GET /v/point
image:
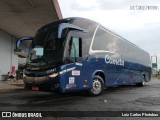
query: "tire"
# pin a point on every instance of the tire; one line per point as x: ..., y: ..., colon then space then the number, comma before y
x: 142, y: 84
x: 97, y: 87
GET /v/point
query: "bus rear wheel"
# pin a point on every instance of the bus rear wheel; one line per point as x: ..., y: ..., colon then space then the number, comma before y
x: 142, y: 84
x: 97, y: 86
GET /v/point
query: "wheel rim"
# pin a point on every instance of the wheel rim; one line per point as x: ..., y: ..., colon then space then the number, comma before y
x: 143, y: 81
x: 97, y: 86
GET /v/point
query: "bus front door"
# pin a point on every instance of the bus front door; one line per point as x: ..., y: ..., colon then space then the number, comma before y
x: 74, y: 64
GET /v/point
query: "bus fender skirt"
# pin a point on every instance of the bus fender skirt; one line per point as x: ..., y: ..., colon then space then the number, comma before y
x: 99, y: 71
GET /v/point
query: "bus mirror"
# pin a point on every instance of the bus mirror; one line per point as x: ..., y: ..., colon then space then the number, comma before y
x: 23, y: 43
x: 63, y: 26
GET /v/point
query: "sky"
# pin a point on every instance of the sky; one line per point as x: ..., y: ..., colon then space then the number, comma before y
x: 136, y: 20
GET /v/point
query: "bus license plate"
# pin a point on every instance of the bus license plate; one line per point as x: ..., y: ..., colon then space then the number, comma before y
x: 35, y: 88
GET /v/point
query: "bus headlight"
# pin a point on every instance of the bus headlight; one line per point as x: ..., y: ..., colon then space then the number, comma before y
x: 53, y: 75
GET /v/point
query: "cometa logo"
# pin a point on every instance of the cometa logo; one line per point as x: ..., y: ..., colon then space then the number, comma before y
x: 114, y: 61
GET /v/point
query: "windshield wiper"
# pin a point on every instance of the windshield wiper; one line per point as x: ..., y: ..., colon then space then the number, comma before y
x: 28, y: 63
x: 36, y: 60
x: 40, y: 59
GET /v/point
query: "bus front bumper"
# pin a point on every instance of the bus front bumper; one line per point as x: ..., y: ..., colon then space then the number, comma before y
x: 41, y: 83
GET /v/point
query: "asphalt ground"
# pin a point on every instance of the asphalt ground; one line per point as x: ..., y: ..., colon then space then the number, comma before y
x: 124, y: 99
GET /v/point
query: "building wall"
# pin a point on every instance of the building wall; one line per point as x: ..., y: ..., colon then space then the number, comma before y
x: 7, y: 56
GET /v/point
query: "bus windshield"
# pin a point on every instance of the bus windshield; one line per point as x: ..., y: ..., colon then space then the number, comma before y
x: 45, y: 49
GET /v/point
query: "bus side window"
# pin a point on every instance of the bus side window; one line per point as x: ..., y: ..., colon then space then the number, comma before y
x: 75, y: 49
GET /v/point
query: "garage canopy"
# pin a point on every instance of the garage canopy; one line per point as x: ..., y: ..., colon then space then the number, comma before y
x: 25, y: 17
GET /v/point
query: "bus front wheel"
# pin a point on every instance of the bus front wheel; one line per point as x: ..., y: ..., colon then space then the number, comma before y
x: 97, y: 86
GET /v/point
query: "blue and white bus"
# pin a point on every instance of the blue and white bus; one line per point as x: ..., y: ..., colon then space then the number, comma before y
x: 75, y: 54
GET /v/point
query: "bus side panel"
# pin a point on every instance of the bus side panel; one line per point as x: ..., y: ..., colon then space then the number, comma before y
x: 75, y: 77
x: 115, y: 75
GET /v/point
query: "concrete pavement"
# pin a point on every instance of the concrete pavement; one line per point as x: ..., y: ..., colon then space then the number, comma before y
x: 10, y: 85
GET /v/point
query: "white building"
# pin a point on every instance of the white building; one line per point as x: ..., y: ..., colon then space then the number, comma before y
x: 22, y: 18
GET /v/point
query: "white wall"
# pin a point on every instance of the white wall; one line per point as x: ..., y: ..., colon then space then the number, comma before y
x: 7, y: 56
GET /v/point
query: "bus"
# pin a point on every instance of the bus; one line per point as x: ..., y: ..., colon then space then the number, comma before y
x: 76, y: 54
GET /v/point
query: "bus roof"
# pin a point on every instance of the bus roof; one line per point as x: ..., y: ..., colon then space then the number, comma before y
x: 71, y: 19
